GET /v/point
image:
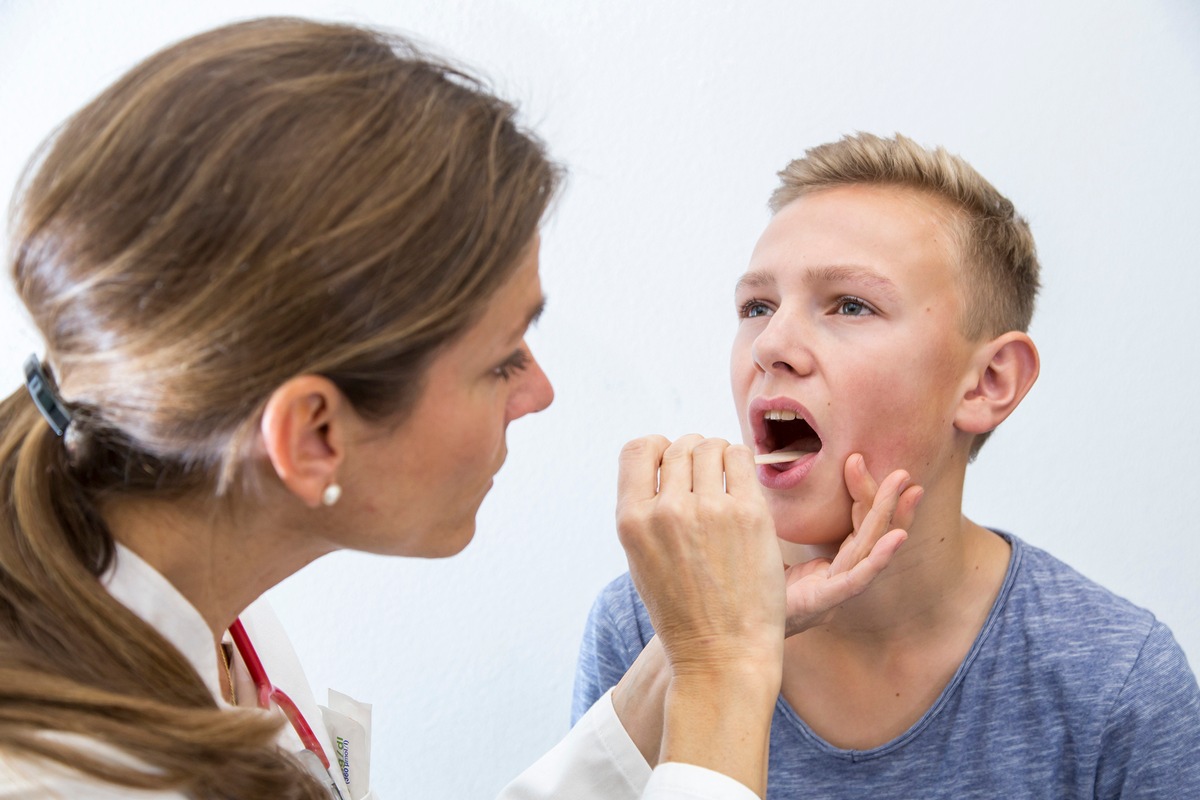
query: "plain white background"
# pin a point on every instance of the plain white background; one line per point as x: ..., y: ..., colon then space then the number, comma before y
x: 673, y: 118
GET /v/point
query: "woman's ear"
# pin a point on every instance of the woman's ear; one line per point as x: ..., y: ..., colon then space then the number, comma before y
x: 303, y: 436
x: 1003, y: 372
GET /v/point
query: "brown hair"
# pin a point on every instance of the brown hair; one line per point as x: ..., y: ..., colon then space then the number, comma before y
x: 268, y: 199
x: 999, y: 278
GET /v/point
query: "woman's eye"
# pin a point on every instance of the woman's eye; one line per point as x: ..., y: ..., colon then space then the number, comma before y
x: 753, y: 308
x: 853, y: 307
x: 514, y: 364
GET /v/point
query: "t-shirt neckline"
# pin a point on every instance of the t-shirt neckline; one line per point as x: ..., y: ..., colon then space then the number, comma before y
x: 1014, y: 562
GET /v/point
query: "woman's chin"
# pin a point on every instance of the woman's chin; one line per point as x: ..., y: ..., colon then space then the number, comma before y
x: 452, y: 542
x: 441, y: 543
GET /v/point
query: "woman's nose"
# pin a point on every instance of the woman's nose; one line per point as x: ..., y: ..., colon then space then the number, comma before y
x: 534, y: 393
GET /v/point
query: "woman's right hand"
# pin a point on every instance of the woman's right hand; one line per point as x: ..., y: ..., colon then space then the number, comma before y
x: 702, y: 550
x: 704, y: 558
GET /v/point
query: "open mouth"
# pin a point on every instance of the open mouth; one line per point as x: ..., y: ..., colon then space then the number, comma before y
x: 785, y: 431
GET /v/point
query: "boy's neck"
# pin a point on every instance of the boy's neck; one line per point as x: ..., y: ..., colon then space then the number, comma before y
x: 947, y: 569
x: 882, y: 661
x: 941, y: 579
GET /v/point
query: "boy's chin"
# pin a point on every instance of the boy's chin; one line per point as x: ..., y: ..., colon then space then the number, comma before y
x: 792, y: 538
x: 801, y: 526
x: 814, y: 541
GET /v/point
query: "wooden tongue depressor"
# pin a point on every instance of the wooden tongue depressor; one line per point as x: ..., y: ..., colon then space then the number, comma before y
x: 779, y: 457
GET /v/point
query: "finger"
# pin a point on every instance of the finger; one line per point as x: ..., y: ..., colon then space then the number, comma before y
x: 862, y: 487
x: 864, y: 490
x: 859, y: 577
x: 859, y: 482
x: 906, y: 508
x: 875, y: 523
x: 708, y: 466
x: 741, y: 474
x: 878, y: 520
x: 808, y: 604
x: 810, y: 599
x: 675, y: 474
x: 637, y: 472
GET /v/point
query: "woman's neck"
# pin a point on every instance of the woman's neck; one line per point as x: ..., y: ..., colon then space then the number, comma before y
x: 219, y: 559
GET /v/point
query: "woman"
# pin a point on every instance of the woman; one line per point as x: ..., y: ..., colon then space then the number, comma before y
x: 283, y: 271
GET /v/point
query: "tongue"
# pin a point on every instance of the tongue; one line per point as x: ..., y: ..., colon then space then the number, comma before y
x: 805, y: 444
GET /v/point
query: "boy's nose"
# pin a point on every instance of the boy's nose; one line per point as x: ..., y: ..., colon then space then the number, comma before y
x: 783, y: 347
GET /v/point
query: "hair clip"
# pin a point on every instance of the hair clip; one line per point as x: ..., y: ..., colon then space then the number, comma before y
x: 44, y: 396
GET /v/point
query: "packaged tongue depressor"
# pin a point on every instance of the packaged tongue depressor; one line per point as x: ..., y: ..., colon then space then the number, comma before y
x: 349, y: 724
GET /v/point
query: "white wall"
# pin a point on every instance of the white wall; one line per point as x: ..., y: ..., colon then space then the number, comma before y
x: 673, y: 117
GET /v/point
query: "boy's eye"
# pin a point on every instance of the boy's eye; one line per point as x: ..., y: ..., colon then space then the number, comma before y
x: 753, y: 308
x: 853, y: 307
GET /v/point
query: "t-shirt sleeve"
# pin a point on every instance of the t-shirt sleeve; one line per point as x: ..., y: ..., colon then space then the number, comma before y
x: 1151, y: 743
x: 610, y: 646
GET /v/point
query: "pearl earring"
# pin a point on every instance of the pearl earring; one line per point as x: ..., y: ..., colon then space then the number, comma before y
x: 331, y: 495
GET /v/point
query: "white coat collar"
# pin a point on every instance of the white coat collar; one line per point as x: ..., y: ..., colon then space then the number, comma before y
x: 145, y: 592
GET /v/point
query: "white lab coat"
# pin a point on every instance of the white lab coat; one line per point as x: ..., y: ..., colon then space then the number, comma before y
x: 595, y: 761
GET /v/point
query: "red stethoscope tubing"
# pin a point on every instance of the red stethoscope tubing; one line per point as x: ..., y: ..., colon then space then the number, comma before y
x: 268, y: 693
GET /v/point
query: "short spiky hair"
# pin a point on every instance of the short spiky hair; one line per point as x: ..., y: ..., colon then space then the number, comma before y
x: 996, y: 248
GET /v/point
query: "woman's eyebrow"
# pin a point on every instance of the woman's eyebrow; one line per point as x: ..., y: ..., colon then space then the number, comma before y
x: 532, y: 317
x: 863, y: 276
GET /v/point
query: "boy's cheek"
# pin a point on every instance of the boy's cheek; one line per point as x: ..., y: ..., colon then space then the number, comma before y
x: 811, y: 518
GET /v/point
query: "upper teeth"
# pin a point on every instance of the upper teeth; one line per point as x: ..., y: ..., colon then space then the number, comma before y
x: 779, y: 414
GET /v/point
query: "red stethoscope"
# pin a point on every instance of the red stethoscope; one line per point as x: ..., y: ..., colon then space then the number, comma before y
x: 269, y: 694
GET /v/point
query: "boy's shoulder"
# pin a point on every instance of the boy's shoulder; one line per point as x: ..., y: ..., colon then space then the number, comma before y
x: 1064, y: 653
x: 1054, y: 619
x: 1044, y: 588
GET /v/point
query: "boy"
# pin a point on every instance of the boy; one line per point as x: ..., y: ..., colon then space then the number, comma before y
x: 884, y: 314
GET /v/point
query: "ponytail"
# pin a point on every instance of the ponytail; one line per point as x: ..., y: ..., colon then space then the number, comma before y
x: 73, y: 660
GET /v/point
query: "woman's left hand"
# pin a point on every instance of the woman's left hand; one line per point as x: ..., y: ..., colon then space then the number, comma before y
x: 880, y: 514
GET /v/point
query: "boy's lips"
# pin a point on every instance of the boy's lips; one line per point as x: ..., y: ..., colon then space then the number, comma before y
x: 778, y: 424
x: 781, y: 423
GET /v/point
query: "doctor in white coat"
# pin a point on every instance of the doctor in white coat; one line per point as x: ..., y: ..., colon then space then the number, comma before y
x: 284, y: 271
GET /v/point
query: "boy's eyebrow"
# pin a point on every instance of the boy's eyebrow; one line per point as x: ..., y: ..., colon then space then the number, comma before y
x: 755, y: 279
x: 853, y: 274
x: 841, y: 273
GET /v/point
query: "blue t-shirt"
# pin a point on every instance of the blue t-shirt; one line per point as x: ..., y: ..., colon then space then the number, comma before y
x: 1068, y: 692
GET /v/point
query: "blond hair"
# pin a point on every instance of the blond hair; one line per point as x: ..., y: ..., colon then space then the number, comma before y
x: 268, y: 199
x: 999, y: 275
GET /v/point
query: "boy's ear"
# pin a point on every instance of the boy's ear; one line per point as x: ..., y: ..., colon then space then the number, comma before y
x: 1003, y: 371
x: 303, y: 436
